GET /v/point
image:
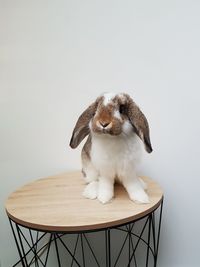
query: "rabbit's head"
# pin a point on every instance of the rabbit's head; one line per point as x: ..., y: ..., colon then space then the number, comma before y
x: 115, y: 115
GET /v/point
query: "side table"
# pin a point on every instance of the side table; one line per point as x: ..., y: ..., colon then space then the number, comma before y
x: 51, y: 220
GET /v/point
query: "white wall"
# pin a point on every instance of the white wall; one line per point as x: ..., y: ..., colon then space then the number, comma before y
x: 57, y: 56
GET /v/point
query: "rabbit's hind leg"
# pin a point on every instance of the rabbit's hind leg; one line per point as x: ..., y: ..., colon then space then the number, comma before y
x: 91, y: 178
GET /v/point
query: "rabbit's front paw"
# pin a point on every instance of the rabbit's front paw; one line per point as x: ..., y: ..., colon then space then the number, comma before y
x: 105, y: 196
x: 91, y: 190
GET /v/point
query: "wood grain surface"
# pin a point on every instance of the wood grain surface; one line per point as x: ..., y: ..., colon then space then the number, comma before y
x: 56, y: 204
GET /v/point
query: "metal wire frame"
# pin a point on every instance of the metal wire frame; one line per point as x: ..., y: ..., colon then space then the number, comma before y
x: 34, y: 249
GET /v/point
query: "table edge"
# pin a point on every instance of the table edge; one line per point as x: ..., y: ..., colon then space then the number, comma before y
x: 85, y: 228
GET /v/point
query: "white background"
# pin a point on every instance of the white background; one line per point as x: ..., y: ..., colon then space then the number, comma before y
x: 58, y: 56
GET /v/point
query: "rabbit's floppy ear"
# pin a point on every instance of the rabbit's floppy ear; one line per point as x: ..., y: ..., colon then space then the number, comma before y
x: 81, y: 129
x: 139, y: 123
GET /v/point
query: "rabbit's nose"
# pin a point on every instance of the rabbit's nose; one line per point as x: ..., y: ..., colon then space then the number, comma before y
x: 104, y: 124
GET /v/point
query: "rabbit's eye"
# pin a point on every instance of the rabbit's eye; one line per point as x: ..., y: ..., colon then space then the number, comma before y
x: 122, y: 109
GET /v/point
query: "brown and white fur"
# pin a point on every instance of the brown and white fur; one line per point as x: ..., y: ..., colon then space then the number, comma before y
x: 115, y: 127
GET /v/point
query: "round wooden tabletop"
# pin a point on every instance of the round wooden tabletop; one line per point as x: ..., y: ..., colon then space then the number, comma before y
x: 56, y: 204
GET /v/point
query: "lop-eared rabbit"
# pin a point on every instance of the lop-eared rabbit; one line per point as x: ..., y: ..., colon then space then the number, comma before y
x: 116, y: 129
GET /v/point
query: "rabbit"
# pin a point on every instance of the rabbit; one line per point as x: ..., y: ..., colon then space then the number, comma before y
x: 116, y: 129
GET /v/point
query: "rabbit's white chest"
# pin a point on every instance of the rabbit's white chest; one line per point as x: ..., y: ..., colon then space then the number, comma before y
x: 113, y: 154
